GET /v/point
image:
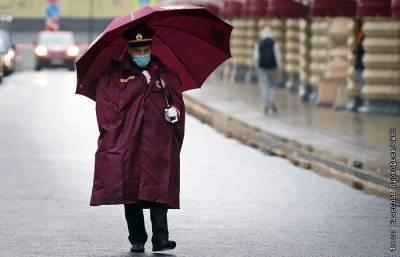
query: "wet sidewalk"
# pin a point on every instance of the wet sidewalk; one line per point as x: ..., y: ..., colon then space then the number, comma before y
x: 350, y: 142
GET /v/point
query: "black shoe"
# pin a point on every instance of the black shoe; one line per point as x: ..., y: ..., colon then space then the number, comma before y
x: 164, y: 245
x: 137, y: 248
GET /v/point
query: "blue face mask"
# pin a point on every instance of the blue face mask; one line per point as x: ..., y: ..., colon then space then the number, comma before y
x: 141, y: 61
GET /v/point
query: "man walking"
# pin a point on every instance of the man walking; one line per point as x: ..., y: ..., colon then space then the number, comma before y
x: 141, y: 116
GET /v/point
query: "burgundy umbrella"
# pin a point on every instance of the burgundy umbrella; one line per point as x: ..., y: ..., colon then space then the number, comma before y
x: 188, y: 39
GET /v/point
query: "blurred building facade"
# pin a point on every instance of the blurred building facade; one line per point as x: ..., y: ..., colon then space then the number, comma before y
x: 318, y: 41
x: 75, y: 14
x: 71, y: 8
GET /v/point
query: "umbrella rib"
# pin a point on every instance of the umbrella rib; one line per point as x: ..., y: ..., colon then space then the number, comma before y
x: 190, y: 33
x: 180, y: 60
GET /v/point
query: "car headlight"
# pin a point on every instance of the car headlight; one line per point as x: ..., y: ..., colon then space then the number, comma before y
x: 72, y: 51
x: 40, y: 50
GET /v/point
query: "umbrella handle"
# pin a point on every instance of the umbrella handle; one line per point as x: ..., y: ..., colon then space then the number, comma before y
x: 162, y: 88
x: 166, y: 98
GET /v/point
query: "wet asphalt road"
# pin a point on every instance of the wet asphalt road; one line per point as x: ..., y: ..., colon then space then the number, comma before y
x: 235, y: 201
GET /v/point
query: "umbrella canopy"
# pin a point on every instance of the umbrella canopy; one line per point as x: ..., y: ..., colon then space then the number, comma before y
x: 213, y: 8
x: 188, y: 39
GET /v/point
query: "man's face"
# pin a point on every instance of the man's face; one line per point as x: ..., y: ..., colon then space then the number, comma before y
x: 139, y: 50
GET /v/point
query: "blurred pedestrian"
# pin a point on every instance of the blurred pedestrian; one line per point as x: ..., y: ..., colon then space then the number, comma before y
x: 359, y: 51
x: 140, y: 112
x: 268, y: 62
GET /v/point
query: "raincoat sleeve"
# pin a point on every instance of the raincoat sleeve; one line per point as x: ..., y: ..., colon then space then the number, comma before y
x: 177, y: 101
x: 106, y: 104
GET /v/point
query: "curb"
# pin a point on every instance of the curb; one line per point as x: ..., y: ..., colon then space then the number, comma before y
x: 299, y: 154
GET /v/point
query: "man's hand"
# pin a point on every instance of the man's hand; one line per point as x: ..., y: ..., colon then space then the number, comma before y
x: 172, y: 114
x: 172, y: 111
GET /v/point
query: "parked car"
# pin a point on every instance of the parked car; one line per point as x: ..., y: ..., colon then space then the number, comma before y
x: 10, y: 56
x: 55, y: 49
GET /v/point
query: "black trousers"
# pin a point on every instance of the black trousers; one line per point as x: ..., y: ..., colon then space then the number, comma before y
x: 135, y: 220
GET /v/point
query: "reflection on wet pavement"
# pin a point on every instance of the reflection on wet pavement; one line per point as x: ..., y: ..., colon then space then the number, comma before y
x: 341, y: 133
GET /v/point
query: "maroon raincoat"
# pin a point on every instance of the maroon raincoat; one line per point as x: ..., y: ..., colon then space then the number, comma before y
x: 137, y: 160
